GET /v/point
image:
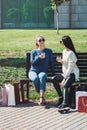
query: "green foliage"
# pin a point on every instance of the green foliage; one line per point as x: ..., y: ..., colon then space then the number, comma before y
x: 12, y: 13
x: 57, y: 2
x: 12, y: 69
x: 49, y: 94
x: 47, y: 11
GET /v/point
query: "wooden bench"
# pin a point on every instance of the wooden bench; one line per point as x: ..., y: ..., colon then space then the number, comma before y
x: 82, y: 64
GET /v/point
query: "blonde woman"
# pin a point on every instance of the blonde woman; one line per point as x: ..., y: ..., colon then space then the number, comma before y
x: 41, y: 57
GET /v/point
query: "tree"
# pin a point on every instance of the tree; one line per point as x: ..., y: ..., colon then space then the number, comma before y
x: 56, y: 3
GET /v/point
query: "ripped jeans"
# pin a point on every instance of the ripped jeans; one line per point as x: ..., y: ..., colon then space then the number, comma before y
x: 39, y: 80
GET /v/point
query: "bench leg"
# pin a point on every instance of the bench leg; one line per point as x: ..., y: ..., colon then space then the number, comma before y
x: 22, y: 83
x: 22, y: 92
x: 17, y: 93
x: 27, y: 91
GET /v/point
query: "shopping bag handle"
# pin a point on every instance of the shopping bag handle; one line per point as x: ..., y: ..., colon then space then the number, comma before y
x: 83, y: 102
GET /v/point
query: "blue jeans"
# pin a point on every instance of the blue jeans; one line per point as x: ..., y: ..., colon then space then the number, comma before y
x: 39, y: 80
x: 57, y: 79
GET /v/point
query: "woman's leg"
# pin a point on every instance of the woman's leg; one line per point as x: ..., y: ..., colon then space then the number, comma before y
x: 71, y: 96
x: 68, y: 83
x: 56, y: 80
x: 35, y: 79
x: 42, y: 77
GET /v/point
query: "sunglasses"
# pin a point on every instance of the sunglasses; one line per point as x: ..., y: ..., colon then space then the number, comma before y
x: 41, y: 40
x: 61, y: 42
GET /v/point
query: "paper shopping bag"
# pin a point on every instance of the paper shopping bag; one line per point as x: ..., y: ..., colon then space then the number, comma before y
x: 11, y: 94
x: 4, y: 96
x: 78, y: 94
x: 82, y: 104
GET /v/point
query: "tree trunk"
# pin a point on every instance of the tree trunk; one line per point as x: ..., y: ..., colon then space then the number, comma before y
x: 57, y: 19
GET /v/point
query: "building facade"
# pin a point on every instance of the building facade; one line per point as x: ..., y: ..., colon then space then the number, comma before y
x: 72, y: 14
x: 37, y: 14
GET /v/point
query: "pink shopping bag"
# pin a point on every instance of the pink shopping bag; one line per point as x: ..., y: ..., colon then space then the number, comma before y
x: 4, y: 96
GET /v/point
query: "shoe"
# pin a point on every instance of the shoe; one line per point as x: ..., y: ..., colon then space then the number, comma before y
x: 60, y: 105
x: 59, y: 102
x: 72, y: 106
x: 42, y: 101
x: 64, y: 107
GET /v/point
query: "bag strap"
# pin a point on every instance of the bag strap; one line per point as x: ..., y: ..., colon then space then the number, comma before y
x: 83, y: 102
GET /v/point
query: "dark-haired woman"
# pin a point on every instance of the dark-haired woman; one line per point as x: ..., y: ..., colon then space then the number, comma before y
x: 41, y: 57
x: 70, y: 72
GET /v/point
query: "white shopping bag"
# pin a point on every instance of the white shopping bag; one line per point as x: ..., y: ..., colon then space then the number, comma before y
x: 78, y: 94
x: 11, y: 94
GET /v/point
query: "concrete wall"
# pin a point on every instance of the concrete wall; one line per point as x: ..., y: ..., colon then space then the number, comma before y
x: 79, y: 14
x: 0, y: 13
x: 63, y: 16
x: 78, y: 17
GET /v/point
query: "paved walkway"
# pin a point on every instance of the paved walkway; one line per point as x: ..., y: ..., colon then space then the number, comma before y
x: 31, y: 116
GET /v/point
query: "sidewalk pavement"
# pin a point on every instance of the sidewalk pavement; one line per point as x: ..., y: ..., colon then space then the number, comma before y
x: 31, y: 116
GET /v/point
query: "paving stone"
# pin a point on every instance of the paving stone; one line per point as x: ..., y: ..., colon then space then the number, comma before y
x: 35, y: 117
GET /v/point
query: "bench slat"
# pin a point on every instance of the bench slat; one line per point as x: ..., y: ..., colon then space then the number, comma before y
x: 82, y: 64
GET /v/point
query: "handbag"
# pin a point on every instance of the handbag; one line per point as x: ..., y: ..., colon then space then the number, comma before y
x: 82, y: 104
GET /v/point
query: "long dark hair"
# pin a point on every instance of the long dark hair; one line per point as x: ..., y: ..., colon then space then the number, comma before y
x: 67, y: 41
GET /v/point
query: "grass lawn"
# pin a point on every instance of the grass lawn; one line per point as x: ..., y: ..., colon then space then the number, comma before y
x: 15, y: 43
x: 20, y: 41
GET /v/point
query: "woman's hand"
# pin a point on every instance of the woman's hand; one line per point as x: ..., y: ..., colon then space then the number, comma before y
x: 62, y: 83
x: 42, y: 55
x: 59, y: 59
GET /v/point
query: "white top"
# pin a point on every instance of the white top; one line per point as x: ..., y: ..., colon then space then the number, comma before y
x: 69, y: 64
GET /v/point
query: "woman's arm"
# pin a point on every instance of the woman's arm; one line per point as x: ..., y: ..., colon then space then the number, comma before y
x: 71, y: 63
x: 59, y: 59
x: 34, y: 58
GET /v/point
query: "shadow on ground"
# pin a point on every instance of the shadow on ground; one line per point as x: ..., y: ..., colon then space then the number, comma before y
x: 22, y: 105
x: 13, y: 62
x: 48, y: 105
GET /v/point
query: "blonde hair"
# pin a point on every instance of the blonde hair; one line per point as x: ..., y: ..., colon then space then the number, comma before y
x: 37, y: 39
